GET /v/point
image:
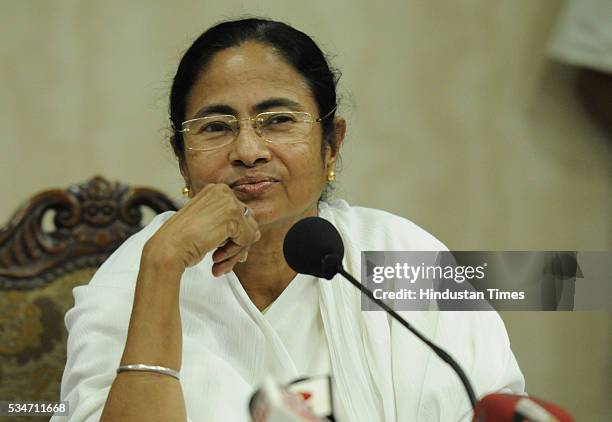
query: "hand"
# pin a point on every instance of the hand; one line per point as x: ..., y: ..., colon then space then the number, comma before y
x: 213, y: 219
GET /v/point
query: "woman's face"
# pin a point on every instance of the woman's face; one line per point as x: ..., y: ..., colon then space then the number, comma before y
x: 279, y: 182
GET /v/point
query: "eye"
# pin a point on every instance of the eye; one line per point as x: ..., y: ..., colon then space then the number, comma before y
x: 215, y: 127
x: 278, y: 119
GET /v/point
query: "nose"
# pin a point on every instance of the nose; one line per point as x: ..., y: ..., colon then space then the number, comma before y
x: 249, y: 149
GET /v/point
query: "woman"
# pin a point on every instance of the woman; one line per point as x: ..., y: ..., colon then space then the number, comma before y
x: 206, y: 292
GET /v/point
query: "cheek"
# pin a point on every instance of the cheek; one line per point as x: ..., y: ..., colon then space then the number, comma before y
x: 204, y: 168
x: 305, y: 167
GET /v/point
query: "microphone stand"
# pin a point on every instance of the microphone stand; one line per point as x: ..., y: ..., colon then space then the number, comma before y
x: 440, y: 352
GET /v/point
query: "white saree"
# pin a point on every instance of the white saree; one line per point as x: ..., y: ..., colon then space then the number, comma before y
x: 381, y: 371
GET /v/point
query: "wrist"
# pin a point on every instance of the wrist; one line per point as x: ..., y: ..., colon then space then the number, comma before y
x: 160, y: 256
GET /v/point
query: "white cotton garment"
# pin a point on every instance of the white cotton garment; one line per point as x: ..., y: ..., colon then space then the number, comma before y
x: 295, y: 317
x: 381, y: 372
x: 583, y: 36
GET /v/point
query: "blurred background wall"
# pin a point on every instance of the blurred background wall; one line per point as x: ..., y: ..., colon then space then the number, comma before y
x: 458, y: 121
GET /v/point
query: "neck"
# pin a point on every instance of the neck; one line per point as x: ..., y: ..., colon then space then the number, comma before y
x: 266, y: 274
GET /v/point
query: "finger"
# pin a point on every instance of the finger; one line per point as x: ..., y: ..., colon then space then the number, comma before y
x: 250, y: 219
x: 226, y: 251
x: 226, y: 266
x: 241, y: 255
x: 244, y: 231
x: 247, y: 215
x: 244, y: 255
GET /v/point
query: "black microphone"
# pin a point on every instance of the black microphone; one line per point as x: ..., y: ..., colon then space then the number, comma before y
x: 313, y: 246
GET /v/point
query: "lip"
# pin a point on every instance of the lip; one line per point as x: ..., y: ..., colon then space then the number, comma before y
x: 253, y: 185
x: 252, y: 180
x: 254, y: 189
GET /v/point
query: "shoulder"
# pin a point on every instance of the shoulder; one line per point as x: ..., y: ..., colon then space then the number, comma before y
x: 480, y: 341
x: 376, y: 228
x: 477, y: 340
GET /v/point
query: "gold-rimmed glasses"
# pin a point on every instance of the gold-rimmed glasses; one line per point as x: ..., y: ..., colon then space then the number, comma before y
x: 276, y: 127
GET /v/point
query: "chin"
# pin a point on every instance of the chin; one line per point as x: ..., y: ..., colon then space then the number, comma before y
x: 265, y: 212
x: 271, y: 216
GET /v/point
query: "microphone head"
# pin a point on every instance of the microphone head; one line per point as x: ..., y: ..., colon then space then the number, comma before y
x: 314, y: 246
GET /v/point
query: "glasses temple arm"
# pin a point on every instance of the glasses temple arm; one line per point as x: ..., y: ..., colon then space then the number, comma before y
x: 328, y: 114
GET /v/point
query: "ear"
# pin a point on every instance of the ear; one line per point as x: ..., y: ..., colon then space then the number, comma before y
x: 331, y: 155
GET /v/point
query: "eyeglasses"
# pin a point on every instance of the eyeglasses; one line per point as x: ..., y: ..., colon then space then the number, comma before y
x: 275, y: 127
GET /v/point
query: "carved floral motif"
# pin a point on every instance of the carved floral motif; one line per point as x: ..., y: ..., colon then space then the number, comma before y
x: 91, y: 220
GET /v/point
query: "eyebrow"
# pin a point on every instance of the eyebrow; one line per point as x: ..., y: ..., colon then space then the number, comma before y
x: 277, y: 102
x: 260, y: 107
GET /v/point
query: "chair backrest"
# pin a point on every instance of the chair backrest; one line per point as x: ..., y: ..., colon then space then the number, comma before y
x: 40, y: 265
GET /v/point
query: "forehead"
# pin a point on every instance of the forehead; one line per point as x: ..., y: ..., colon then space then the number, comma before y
x: 244, y: 76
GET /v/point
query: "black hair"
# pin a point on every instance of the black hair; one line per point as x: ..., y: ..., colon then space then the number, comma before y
x: 294, y: 46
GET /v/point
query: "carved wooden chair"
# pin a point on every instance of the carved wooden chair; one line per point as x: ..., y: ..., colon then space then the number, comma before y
x: 39, y: 267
